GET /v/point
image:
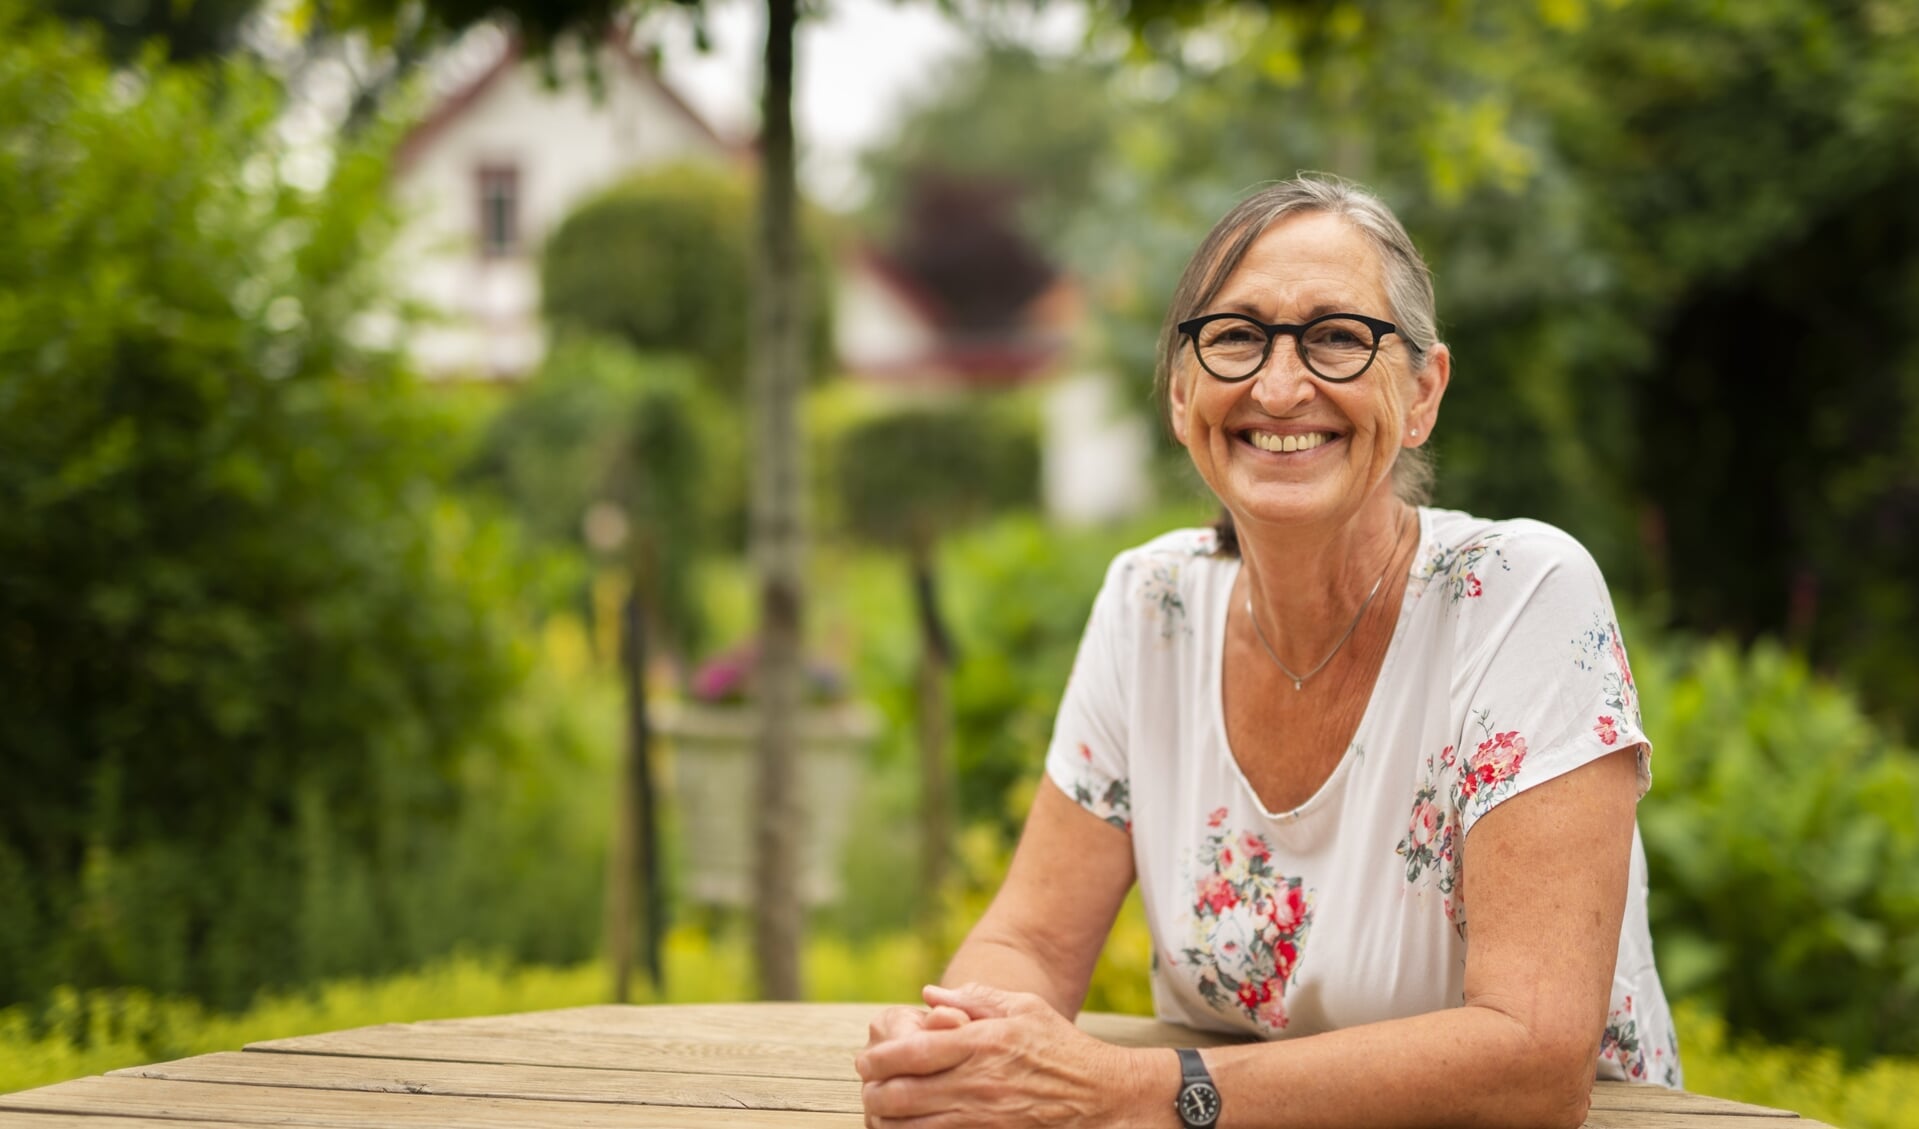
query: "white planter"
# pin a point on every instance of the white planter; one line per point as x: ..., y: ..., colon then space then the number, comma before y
x: 715, y: 781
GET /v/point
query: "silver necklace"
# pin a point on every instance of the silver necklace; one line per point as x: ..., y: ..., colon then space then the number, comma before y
x: 1300, y: 680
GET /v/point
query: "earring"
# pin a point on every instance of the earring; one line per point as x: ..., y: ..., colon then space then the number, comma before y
x: 1415, y: 433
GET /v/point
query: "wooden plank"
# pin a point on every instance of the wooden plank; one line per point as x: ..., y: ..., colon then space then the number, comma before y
x: 14, y: 1120
x: 209, y: 1101
x: 1667, y: 1119
x: 1138, y: 1031
x: 827, y: 1025
x: 607, y: 1052
x: 496, y: 1080
x: 1659, y: 1099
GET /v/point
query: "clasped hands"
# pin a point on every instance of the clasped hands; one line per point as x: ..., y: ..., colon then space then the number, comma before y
x: 982, y: 1056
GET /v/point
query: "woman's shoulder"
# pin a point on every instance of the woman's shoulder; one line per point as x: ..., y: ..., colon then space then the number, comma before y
x: 1466, y: 556
x: 1177, y: 553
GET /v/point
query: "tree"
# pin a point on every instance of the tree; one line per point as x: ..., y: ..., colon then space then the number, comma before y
x: 907, y: 478
x: 237, y: 611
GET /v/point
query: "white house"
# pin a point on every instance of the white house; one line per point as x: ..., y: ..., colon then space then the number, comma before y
x: 496, y: 165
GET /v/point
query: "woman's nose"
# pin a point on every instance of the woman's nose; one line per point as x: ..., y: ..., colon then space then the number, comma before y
x: 1283, y: 382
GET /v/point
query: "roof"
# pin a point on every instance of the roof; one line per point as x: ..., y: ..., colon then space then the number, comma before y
x: 456, y: 105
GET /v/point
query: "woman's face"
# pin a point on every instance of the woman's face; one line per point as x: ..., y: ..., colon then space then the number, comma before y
x: 1350, y: 433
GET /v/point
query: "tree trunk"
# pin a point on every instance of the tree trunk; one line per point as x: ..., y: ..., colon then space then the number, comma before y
x: 633, y: 876
x: 775, y: 382
x: 935, y: 728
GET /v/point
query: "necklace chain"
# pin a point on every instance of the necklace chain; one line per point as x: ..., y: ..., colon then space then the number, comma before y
x: 1300, y: 680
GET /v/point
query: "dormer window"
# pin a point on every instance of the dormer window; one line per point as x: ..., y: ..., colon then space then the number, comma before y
x: 499, y: 211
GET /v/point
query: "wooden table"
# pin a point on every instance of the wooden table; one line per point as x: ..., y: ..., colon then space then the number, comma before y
x: 688, y: 1067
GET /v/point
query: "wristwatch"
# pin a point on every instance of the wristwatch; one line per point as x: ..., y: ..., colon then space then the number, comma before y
x: 1198, y: 1101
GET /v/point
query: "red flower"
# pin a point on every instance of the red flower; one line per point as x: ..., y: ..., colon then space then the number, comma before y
x: 1216, y: 894
x: 1226, y: 856
x: 1473, y: 587
x: 1085, y: 753
x: 1255, y: 846
x: 1285, y: 956
x: 1252, y: 995
x: 1218, y: 817
x: 1607, y: 729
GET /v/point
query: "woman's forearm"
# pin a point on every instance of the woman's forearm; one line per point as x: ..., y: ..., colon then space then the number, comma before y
x: 1464, y: 1066
x: 1011, y: 965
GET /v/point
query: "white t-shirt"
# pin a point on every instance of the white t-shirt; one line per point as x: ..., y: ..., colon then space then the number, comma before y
x: 1505, y: 670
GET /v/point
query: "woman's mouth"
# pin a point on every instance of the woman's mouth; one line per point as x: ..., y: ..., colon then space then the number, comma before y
x: 1286, y: 444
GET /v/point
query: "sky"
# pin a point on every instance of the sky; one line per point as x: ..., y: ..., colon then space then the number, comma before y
x: 860, y: 65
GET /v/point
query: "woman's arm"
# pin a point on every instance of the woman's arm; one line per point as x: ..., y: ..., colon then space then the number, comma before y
x: 1545, y: 877
x: 1045, y: 928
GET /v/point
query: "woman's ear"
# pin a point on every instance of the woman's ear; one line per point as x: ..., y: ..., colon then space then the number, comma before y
x: 1178, y: 391
x: 1429, y: 387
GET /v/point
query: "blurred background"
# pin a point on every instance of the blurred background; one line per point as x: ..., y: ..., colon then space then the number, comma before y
x: 378, y: 625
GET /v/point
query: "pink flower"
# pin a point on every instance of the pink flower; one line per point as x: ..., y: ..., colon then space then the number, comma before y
x: 1425, y: 822
x: 1252, y: 995
x: 1272, y: 1013
x: 1446, y: 757
x: 1218, y: 817
x: 1255, y: 846
x: 1499, y: 759
x: 1607, y: 729
x: 1085, y: 753
x: 1216, y: 894
x: 1473, y: 587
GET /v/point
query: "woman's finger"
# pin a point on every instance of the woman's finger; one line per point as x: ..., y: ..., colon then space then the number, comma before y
x: 946, y: 1018
x: 893, y: 1023
x: 926, y: 1052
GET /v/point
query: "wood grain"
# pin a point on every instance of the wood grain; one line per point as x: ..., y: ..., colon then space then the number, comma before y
x: 637, y: 1086
x: 208, y: 1101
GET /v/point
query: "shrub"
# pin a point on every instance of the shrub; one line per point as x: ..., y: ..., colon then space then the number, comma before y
x: 663, y: 261
x: 1782, y: 834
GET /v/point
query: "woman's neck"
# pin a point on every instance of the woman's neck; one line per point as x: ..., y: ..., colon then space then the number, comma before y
x: 1307, y: 584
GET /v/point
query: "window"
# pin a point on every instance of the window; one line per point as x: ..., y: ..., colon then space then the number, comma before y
x: 499, y: 211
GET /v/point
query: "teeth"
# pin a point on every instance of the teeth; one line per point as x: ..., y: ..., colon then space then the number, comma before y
x: 1266, y: 441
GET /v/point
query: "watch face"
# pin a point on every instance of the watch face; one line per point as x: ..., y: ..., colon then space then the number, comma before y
x: 1199, y: 1104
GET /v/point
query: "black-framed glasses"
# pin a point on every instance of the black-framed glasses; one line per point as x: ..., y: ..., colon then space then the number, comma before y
x: 1335, y: 347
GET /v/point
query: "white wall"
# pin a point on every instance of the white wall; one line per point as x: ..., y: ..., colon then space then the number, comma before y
x: 565, y: 146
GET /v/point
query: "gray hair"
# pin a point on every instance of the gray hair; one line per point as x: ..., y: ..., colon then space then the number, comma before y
x: 1408, y: 285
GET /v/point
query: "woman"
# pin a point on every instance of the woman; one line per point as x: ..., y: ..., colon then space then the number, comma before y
x: 1372, y: 765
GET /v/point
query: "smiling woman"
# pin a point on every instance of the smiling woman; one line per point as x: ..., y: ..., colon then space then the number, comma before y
x: 1287, y: 729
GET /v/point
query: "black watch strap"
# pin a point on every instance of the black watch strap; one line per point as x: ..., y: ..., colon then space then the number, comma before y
x: 1198, y: 1103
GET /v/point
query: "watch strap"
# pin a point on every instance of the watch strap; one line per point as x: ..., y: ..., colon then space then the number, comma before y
x: 1198, y: 1103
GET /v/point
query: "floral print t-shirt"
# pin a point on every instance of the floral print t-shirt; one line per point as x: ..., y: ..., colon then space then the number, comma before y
x: 1505, y: 670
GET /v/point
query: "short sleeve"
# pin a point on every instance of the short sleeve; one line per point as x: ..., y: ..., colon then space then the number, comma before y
x: 1547, y: 688
x: 1088, y: 755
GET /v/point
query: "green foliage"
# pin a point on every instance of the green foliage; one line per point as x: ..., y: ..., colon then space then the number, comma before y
x: 908, y: 475
x: 249, y: 649
x: 1812, y: 1082
x: 1783, y: 838
x: 663, y: 261
x: 601, y: 426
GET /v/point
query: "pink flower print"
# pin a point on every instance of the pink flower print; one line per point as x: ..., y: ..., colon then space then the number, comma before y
x: 1288, y: 909
x: 1426, y: 819
x: 1255, y: 846
x: 1218, y: 817
x: 1216, y: 894
x: 1473, y: 587
x: 1285, y: 956
x: 1446, y: 757
x: 1085, y: 753
x: 1499, y: 759
x: 1272, y: 1014
x: 1252, y: 995
x: 1226, y: 856
x: 1607, y: 729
